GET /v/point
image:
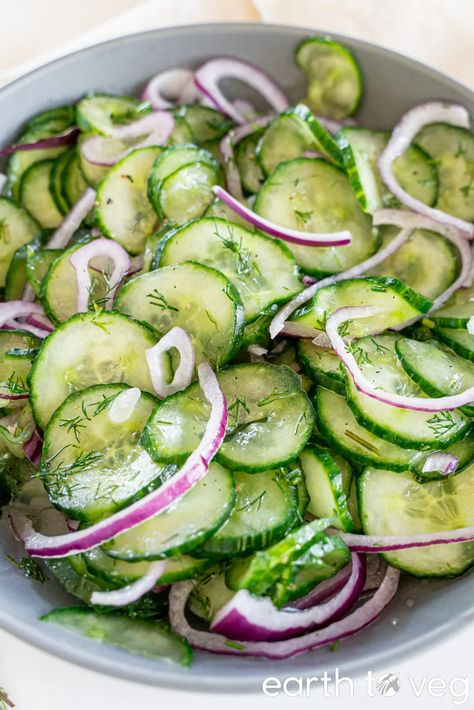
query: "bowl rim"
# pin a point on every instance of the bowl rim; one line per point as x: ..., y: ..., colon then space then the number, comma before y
x: 165, y: 676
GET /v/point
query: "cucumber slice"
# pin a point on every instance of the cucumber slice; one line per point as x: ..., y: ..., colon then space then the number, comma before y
x: 321, y: 364
x: 328, y: 480
x: 345, y: 435
x: 58, y: 290
x: 329, y: 206
x: 36, y: 197
x: 121, y: 572
x: 463, y: 450
x: 124, y: 212
x: 73, y: 182
x: 398, y: 304
x: 457, y: 311
x: 93, y: 174
x: 426, y: 262
x: 181, y: 134
x: 101, y: 113
x: 459, y: 340
x: 334, y: 77
x: 92, y: 466
x: 288, y: 357
x: 199, y: 299
x: 89, y: 349
x: 289, y: 135
x: 17, y: 228
x: 453, y: 151
x: 205, y: 123
x: 184, y: 525
x: 264, y: 511
x: 54, y: 120
x: 414, y: 170
x: 37, y: 264
x: 436, y: 369
x: 378, y: 361
x: 55, y: 182
x: 256, y: 332
x: 395, y: 504
x: 15, y: 280
x: 153, y: 639
x: 172, y: 159
x: 270, y: 419
x: 80, y: 583
x: 18, y: 349
x: 210, y: 594
x: 247, y: 163
x: 262, y: 269
x: 186, y: 193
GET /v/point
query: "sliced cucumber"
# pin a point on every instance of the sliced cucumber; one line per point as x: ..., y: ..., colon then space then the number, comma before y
x: 262, y: 269
x: 457, y: 311
x: 101, y: 113
x: 328, y: 480
x: 210, y: 594
x: 334, y: 77
x: 398, y: 303
x: 93, y: 466
x: 395, y: 504
x: 184, y: 525
x: 414, y: 170
x: 15, y: 280
x: 452, y: 149
x: 329, y: 206
x: 181, y: 134
x: 187, y: 193
x: 18, y: 349
x: 54, y: 120
x: 264, y: 511
x: 38, y: 261
x: 345, y: 435
x: 378, y: 361
x: 321, y: 364
x: 205, y: 123
x: 93, y: 173
x: 436, y: 369
x: 153, y: 639
x: 459, y: 340
x: 121, y: 572
x: 270, y: 419
x: 199, y: 299
x: 464, y: 452
x: 17, y: 228
x: 426, y: 262
x: 124, y: 212
x: 36, y: 197
x: 55, y: 182
x: 58, y: 291
x: 89, y: 349
x: 73, y: 182
x: 247, y: 163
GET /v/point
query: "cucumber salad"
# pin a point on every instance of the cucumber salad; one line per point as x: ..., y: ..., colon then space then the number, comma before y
x: 237, y: 346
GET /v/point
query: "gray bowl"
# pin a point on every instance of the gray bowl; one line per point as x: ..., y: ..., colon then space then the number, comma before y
x: 392, y: 84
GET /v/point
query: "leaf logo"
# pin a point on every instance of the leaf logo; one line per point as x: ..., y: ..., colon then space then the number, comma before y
x: 388, y: 684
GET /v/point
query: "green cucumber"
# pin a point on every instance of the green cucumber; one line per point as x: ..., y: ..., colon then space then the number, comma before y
x: 247, y: 164
x: 182, y: 526
x: 89, y: 349
x: 205, y: 123
x: 209, y: 594
x: 270, y: 419
x: 18, y: 349
x: 330, y: 206
x: 262, y: 269
x: 102, y: 113
x: 38, y: 261
x: 15, y: 280
x: 73, y: 182
x: 462, y: 449
x: 322, y: 365
x: 36, y: 197
x: 456, y: 312
x: 458, y: 339
x: 187, y: 193
x: 198, y: 298
x: 55, y: 181
x: 17, y: 228
x: 395, y: 504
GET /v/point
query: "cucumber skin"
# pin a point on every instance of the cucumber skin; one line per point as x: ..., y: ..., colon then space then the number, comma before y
x: 458, y: 348
x: 329, y: 380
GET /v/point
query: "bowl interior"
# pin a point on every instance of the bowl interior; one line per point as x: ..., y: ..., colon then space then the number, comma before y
x: 392, y: 84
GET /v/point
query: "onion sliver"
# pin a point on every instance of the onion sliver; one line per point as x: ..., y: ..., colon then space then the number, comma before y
x: 249, y: 618
x: 164, y: 89
x: 210, y: 74
x: 132, y: 592
x: 402, y: 136
x: 193, y: 470
x: 227, y: 145
x: 175, y: 338
x: 441, y: 461
x: 80, y: 261
x: 69, y: 137
x: 295, y: 236
x: 279, y: 321
x: 123, y: 405
x: 419, y: 404
x: 216, y: 643
x: 72, y: 220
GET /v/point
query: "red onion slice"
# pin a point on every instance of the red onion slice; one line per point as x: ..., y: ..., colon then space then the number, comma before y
x: 441, y: 461
x: 72, y: 220
x: 132, y: 592
x: 412, y: 220
x: 194, y: 469
x: 210, y: 74
x: 216, y: 643
x: 402, y: 136
x: 279, y: 321
x: 154, y: 129
x: 295, y: 236
x: 80, y: 258
x: 390, y: 543
x: 33, y: 448
x: 36, y: 321
x: 324, y: 590
x: 249, y: 618
x: 227, y: 145
x: 175, y: 338
x: 69, y: 137
x: 164, y: 90
x: 418, y: 404
x: 40, y: 321
x: 123, y: 405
